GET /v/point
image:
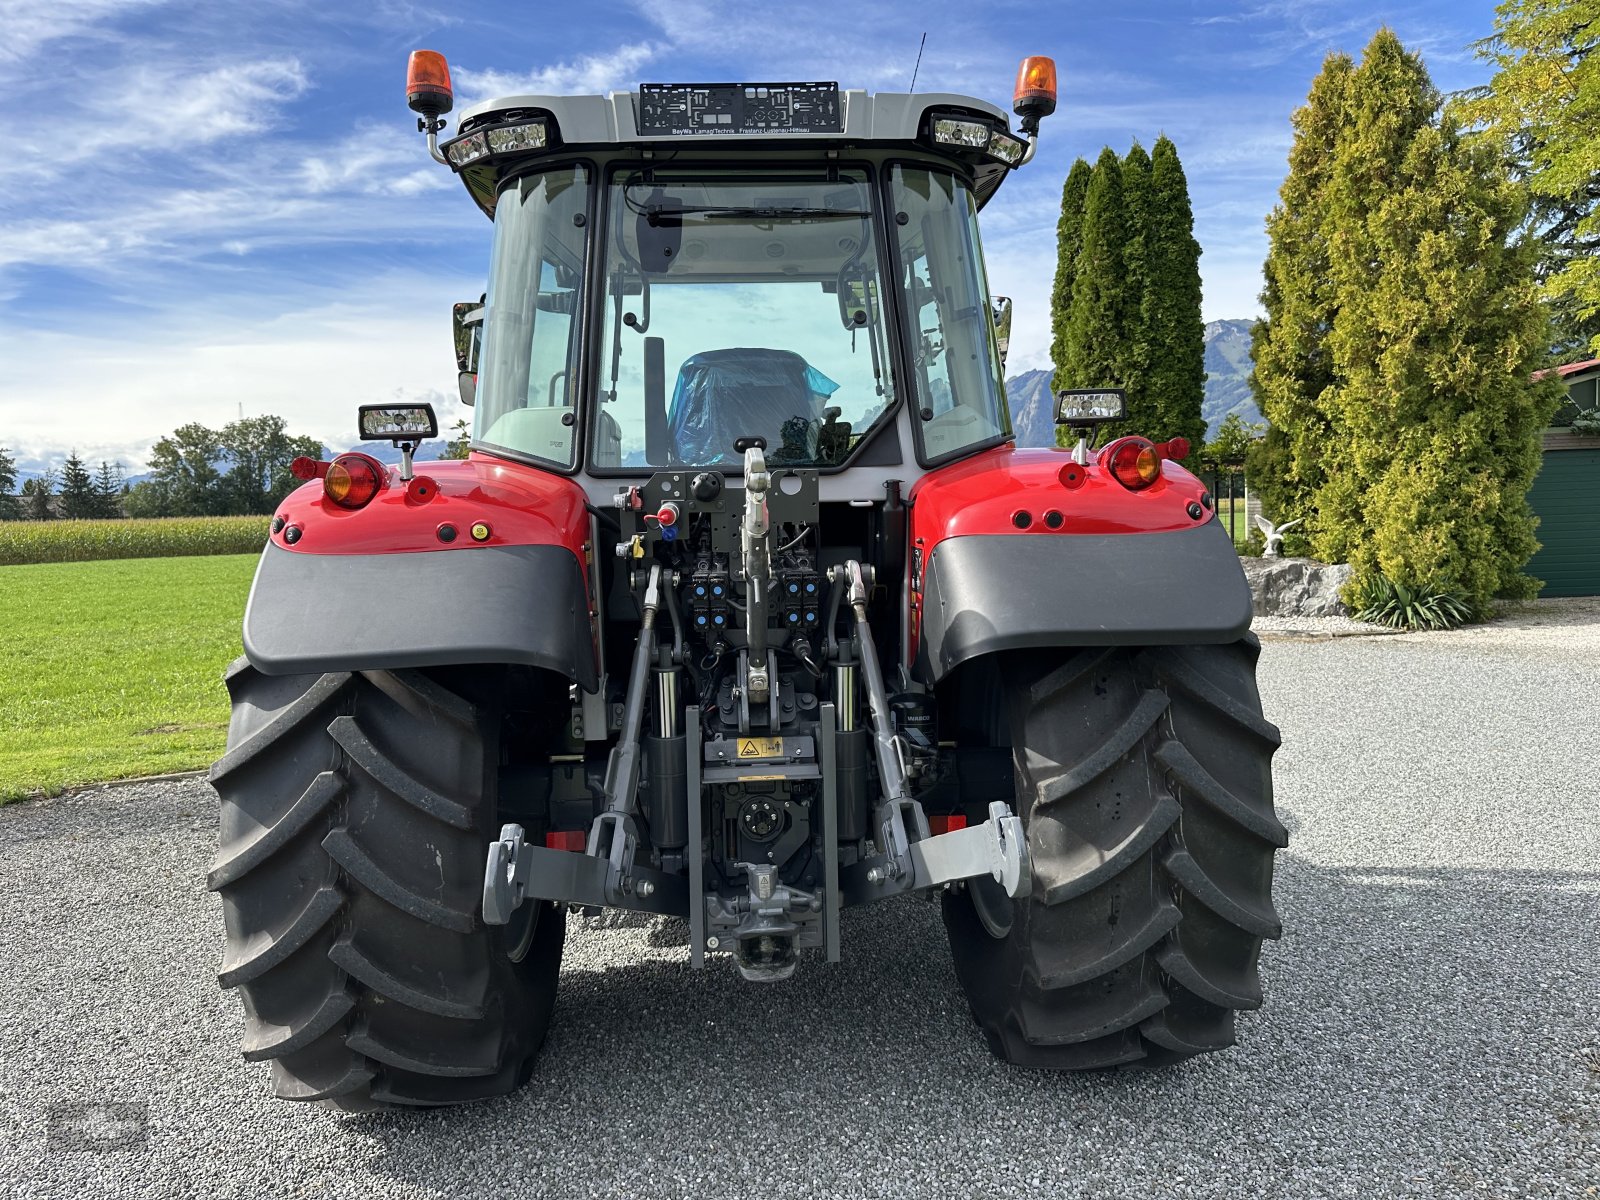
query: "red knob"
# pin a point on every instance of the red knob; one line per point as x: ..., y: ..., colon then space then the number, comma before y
x: 668, y: 514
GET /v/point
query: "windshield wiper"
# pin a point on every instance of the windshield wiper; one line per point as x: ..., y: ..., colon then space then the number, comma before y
x: 752, y: 212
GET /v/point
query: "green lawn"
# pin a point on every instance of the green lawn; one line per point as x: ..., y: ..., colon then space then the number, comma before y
x: 114, y: 669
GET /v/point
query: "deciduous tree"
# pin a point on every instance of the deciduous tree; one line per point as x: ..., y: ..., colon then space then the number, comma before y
x: 1542, y: 108
x: 259, y: 451
x: 184, y: 475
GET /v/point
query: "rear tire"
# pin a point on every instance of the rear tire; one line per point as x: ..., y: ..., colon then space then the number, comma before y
x: 1144, y: 780
x: 357, y: 809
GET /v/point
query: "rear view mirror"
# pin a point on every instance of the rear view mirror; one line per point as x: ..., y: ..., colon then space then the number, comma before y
x: 466, y: 327
x: 398, y: 423
x: 1091, y: 406
x: 1002, y: 325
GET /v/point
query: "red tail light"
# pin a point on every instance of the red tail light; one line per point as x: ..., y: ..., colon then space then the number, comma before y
x: 353, y: 480
x: 1133, y: 462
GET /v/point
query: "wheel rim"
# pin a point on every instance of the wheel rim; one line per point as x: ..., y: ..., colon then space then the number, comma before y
x: 996, y: 913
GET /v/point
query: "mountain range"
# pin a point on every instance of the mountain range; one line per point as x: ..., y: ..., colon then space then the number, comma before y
x: 1227, y: 388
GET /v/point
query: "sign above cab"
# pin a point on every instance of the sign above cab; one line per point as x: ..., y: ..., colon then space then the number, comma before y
x: 693, y: 109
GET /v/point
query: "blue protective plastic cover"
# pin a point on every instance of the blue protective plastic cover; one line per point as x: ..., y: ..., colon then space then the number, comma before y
x: 722, y: 395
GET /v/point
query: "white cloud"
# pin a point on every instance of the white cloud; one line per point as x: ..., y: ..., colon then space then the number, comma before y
x: 28, y: 24
x: 589, y: 75
x: 149, y: 113
x: 111, y: 390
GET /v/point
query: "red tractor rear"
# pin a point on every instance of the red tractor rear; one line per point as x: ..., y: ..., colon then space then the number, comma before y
x: 744, y: 608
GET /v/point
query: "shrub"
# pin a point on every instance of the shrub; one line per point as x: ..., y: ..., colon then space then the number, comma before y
x: 169, y: 537
x: 1381, y: 601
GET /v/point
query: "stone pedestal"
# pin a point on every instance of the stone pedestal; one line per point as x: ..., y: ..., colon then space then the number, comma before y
x: 1296, y: 587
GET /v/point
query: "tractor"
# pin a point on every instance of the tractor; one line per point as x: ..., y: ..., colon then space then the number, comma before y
x: 744, y: 608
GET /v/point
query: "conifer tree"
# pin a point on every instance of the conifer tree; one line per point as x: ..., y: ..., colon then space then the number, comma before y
x: 1420, y: 343
x: 1098, y: 331
x: 1173, y: 379
x: 1292, y: 366
x: 10, y: 510
x: 1069, y: 240
x: 79, y: 501
x: 109, y: 482
x: 1137, y: 207
x: 36, y: 495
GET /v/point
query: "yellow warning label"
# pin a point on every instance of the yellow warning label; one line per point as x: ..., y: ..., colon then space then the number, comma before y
x: 760, y: 747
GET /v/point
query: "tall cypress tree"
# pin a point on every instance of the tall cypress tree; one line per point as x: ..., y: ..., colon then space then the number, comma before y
x: 1174, y: 377
x: 1427, y: 417
x: 1292, y: 365
x: 1069, y: 240
x: 1138, y: 201
x: 1102, y: 304
x: 78, y: 497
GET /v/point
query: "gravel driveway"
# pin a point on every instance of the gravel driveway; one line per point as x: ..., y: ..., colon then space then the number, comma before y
x: 1430, y: 1026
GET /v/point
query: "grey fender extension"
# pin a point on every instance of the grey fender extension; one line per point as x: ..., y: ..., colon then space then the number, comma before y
x: 310, y: 613
x: 991, y: 592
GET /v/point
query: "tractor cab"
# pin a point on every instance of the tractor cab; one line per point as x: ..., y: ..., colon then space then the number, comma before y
x: 683, y: 266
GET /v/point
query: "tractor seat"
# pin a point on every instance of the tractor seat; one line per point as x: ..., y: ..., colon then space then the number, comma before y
x: 747, y: 392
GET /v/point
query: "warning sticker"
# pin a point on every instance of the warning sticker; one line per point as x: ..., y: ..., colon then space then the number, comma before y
x: 755, y: 747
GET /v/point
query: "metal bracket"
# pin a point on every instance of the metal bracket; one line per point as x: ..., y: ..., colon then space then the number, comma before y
x: 516, y: 872
x: 998, y: 848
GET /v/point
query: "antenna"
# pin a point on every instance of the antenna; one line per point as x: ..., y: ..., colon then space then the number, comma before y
x: 918, y: 67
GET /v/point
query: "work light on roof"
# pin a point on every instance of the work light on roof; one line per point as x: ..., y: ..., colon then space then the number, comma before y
x: 955, y: 132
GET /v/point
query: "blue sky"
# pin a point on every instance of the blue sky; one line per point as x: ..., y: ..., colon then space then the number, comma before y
x: 209, y: 209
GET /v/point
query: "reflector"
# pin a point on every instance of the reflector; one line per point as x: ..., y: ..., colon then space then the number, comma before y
x: 428, y: 84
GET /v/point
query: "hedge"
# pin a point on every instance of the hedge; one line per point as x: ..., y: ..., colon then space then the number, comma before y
x: 165, y: 537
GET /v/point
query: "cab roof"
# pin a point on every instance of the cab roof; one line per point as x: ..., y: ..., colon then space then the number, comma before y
x: 865, y: 121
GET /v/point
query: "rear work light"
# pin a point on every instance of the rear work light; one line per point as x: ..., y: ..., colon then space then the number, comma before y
x: 1133, y: 462
x: 352, y: 480
x: 500, y: 139
x: 954, y: 132
x: 972, y: 134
